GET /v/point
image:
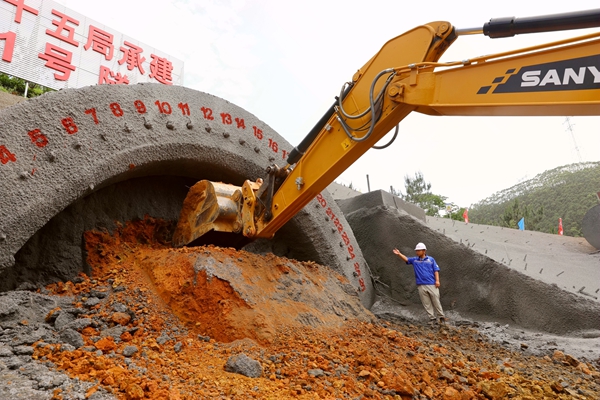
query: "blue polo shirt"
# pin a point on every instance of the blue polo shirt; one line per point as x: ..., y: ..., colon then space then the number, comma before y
x: 424, y: 269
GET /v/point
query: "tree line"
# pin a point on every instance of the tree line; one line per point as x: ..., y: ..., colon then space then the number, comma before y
x: 418, y: 192
x: 13, y: 85
x: 566, y: 192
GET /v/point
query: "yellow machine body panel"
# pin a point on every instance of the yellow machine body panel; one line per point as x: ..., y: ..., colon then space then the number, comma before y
x: 563, y: 80
x: 559, y: 78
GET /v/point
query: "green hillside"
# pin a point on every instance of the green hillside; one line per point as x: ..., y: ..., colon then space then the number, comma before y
x: 566, y: 192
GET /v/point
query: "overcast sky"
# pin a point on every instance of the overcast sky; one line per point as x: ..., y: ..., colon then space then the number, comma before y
x: 285, y: 62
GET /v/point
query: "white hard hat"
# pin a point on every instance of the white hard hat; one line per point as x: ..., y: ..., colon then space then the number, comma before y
x: 420, y: 246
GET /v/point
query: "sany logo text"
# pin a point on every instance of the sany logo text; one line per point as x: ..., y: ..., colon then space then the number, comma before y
x: 582, y: 73
x: 557, y: 77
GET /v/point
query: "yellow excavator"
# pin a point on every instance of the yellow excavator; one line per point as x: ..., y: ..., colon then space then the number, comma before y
x: 559, y: 78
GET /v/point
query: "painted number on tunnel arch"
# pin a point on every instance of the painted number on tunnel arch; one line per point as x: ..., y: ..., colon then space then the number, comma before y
x: 345, y: 238
x: 118, y: 110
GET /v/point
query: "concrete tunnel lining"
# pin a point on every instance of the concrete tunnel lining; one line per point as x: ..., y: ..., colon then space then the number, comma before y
x: 65, y: 146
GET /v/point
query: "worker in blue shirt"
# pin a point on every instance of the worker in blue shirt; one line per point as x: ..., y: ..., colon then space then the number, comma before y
x: 428, y: 281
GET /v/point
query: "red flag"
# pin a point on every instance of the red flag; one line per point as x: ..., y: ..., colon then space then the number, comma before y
x: 560, y: 228
x: 466, y: 215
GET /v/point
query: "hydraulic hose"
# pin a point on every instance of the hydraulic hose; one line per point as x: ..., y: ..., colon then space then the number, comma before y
x: 373, y: 103
x: 390, y: 142
x: 299, y: 150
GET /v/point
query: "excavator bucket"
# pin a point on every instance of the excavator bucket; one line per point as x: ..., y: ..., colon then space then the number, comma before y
x: 208, y: 206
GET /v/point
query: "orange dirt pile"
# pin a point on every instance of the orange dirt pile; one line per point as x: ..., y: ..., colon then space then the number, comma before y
x: 218, y: 292
x: 185, y: 322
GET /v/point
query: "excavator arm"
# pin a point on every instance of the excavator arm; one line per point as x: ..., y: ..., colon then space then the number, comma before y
x: 559, y: 78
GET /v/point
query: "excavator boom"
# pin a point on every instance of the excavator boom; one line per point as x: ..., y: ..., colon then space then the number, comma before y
x: 559, y: 78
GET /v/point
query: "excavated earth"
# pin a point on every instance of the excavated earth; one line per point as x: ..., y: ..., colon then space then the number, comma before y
x: 153, y: 322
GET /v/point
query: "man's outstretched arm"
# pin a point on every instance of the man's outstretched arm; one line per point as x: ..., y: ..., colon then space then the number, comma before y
x: 402, y: 256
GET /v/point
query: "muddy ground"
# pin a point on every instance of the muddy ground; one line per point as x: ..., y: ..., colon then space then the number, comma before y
x: 153, y: 322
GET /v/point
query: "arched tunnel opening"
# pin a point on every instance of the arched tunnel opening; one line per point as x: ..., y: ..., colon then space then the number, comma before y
x: 78, y: 173
x: 129, y: 167
x: 56, y: 252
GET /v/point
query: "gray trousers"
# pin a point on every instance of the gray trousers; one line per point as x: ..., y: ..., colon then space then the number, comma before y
x: 430, y: 297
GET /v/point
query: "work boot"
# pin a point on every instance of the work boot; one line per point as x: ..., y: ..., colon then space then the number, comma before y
x: 432, y: 321
x: 443, y: 320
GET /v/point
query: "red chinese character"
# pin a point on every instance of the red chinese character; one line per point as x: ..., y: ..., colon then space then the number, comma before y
x: 20, y: 4
x: 160, y: 69
x: 132, y: 56
x: 62, y: 26
x: 363, y: 287
x: 101, y: 42
x: 109, y: 77
x: 58, y: 59
x: 9, y: 45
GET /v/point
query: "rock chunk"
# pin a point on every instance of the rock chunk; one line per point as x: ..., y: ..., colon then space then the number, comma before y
x: 23, y: 350
x: 244, y: 365
x: 7, y: 306
x: 63, y: 320
x: 5, y: 351
x: 72, y: 337
x: 91, y: 302
x: 317, y: 372
x: 120, y: 318
x: 106, y: 344
x: 128, y: 351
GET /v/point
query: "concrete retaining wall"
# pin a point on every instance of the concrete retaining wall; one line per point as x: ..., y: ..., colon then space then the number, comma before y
x: 77, y: 159
x: 379, y: 198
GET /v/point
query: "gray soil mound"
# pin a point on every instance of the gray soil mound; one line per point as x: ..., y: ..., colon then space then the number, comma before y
x: 80, y: 159
x: 23, y: 323
x: 472, y: 283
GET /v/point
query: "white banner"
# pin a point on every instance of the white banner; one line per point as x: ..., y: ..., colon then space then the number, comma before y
x: 46, y: 43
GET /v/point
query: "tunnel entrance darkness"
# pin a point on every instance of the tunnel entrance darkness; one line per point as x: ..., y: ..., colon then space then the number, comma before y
x: 57, y: 251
